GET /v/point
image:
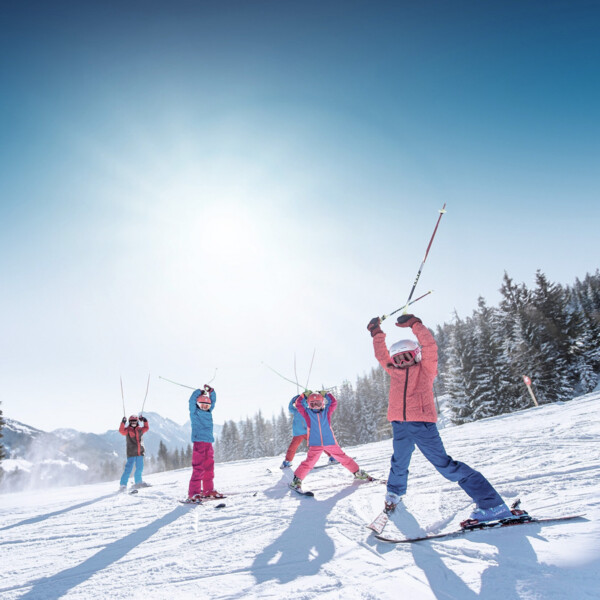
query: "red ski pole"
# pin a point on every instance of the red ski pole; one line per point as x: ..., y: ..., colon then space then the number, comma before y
x: 408, y: 302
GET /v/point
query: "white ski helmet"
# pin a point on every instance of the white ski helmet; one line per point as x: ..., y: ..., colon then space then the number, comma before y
x: 404, y: 347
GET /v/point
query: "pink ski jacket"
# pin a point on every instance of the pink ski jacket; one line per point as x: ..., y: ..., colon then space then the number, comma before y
x: 411, y: 389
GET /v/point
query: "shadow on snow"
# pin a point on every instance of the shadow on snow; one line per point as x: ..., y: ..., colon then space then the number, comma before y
x: 59, y: 584
x: 40, y: 518
x: 304, y: 547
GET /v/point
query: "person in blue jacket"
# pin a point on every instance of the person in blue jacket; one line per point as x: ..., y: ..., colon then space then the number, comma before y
x: 202, y: 402
x: 299, y: 434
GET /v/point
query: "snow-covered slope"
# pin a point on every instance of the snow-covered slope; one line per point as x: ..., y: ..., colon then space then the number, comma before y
x: 88, y: 542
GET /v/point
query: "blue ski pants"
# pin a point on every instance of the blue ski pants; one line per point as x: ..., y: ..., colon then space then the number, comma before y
x: 138, y: 461
x: 425, y: 436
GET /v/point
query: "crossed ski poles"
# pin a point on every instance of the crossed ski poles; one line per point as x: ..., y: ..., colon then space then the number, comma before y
x: 412, y: 291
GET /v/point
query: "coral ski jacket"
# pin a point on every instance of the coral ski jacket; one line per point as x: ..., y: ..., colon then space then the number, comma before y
x: 298, y: 424
x: 411, y: 389
x: 133, y: 435
x: 202, y: 421
x: 318, y: 422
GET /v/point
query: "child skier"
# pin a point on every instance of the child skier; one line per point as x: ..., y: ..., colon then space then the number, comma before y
x: 202, y: 403
x: 135, y: 450
x: 317, y: 408
x: 411, y: 409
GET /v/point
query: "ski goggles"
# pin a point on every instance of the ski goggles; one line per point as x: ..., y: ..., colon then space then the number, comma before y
x: 404, y: 358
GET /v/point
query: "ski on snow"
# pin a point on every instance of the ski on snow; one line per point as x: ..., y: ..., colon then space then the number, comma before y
x: 302, y: 492
x: 523, y: 519
x: 189, y: 503
x: 204, y: 501
x: 379, y: 522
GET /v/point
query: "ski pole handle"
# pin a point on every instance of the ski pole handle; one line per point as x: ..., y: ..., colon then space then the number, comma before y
x: 384, y: 317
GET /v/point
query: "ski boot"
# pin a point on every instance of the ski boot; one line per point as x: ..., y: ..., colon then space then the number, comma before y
x: 286, y: 464
x: 362, y: 475
x: 296, y: 484
x: 391, y: 502
x: 332, y: 461
x: 212, y: 495
x: 122, y: 488
x: 195, y: 499
x: 485, y: 515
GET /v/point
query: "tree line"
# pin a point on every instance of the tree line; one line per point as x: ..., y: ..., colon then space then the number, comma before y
x: 550, y: 333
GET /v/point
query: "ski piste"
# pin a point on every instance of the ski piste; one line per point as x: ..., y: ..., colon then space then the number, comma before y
x: 524, y: 519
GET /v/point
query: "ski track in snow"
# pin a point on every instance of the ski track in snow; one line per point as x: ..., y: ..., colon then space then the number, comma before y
x: 90, y: 542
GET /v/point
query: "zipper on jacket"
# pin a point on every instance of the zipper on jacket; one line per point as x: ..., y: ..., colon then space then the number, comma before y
x: 405, y: 388
x: 320, y: 430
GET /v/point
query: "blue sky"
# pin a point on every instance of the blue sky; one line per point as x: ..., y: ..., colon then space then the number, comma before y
x: 224, y: 184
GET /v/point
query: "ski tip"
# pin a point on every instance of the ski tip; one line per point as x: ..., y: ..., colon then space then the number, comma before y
x: 222, y: 505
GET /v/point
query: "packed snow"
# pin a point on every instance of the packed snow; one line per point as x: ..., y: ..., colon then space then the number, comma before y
x: 268, y: 542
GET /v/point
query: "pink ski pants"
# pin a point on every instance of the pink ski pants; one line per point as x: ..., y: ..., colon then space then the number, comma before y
x: 203, y: 464
x: 314, y: 452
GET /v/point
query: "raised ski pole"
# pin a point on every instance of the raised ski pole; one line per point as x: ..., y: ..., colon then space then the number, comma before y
x: 123, y: 397
x: 147, y: 388
x: 310, y: 370
x: 412, y: 291
x: 280, y: 375
x: 296, y: 374
x: 189, y: 387
x: 214, y: 376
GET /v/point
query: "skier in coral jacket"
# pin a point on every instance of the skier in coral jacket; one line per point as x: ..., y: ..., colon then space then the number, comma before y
x: 317, y: 408
x: 411, y: 409
x: 202, y: 403
x: 135, y: 450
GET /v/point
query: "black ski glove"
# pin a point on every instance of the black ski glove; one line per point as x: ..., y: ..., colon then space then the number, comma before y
x: 373, y: 326
x: 124, y: 420
x: 407, y: 321
x: 143, y: 419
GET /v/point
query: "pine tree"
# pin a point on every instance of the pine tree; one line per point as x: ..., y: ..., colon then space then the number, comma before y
x: 343, y: 421
x: 460, y: 380
x: 516, y: 330
x: 235, y: 442
x: 283, y: 432
x: 248, y: 440
x: 366, y: 409
x: 163, y: 457
x: 585, y: 304
x: 492, y: 378
x: 547, y: 334
x: 262, y: 436
x: 442, y: 338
